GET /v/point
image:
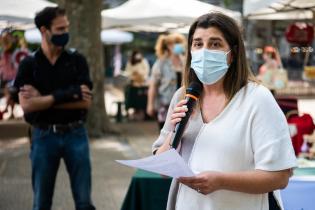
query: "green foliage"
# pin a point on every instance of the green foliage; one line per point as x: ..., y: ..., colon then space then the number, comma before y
x: 227, y: 3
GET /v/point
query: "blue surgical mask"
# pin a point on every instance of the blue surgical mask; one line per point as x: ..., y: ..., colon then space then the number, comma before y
x: 209, y: 65
x: 178, y: 49
x: 60, y: 40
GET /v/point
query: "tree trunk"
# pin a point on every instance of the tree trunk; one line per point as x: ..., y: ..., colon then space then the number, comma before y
x: 85, y: 28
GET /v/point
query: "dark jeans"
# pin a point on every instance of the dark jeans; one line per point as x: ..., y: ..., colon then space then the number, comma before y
x: 46, y: 151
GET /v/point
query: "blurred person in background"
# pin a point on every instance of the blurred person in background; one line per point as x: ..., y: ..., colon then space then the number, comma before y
x: 12, y: 53
x: 137, y: 70
x: 166, y: 74
x: 237, y: 141
x: 271, y: 73
x: 55, y: 93
x: 178, y: 58
x: 271, y: 60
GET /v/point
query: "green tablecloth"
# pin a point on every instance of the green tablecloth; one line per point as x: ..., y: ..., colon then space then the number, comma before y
x: 147, y: 191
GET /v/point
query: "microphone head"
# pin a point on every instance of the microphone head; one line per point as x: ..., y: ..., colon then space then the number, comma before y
x: 195, y: 89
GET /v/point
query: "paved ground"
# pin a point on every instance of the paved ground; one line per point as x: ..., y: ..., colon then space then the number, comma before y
x: 110, y: 180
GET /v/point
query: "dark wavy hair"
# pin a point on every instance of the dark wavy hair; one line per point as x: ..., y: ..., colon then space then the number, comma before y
x: 47, y: 15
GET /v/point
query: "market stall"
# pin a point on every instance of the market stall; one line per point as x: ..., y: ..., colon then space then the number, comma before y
x: 158, y: 15
x: 20, y: 14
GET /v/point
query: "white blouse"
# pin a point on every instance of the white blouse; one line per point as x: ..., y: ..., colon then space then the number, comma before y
x: 250, y: 133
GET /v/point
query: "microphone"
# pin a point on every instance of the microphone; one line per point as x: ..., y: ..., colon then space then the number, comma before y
x: 192, y: 94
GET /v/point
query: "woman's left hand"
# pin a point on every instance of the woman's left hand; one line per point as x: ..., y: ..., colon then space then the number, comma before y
x: 204, y: 183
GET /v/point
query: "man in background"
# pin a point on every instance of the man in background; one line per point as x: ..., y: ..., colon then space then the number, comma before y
x: 55, y: 93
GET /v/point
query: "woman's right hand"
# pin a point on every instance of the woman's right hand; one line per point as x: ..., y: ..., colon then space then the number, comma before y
x: 179, y: 112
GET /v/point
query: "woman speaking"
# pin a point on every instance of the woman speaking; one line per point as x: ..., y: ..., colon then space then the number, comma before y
x: 237, y: 139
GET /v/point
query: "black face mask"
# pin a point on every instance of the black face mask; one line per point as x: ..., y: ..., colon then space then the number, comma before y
x: 60, y: 40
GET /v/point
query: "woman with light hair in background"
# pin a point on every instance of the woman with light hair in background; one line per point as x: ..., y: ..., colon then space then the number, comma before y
x: 271, y: 73
x: 271, y: 60
x: 166, y: 74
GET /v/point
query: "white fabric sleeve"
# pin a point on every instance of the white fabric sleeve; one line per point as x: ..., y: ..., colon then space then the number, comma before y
x: 271, y: 142
x: 167, y: 128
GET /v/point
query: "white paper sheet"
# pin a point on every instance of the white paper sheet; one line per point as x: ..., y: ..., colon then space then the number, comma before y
x: 168, y: 163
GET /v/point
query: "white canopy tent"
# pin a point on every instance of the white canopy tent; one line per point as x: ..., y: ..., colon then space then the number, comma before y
x: 279, y: 9
x: 112, y: 36
x: 158, y: 15
x: 20, y: 13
